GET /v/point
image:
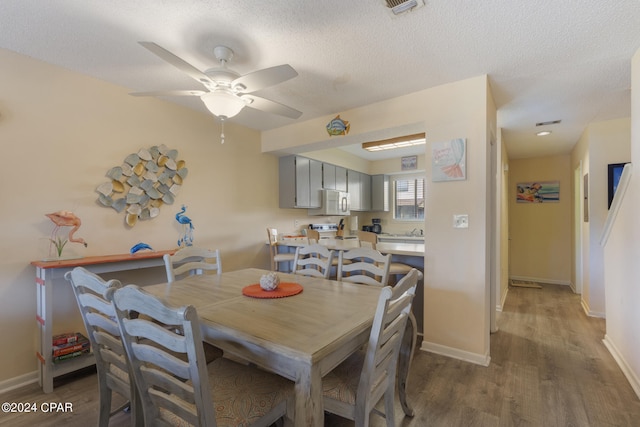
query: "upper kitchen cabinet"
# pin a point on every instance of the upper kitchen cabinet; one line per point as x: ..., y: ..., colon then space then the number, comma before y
x: 359, y: 188
x: 300, y: 182
x: 334, y: 177
x: 380, y: 193
x: 341, y: 178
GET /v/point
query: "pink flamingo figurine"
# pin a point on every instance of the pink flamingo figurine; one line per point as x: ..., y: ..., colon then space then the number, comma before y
x: 68, y: 219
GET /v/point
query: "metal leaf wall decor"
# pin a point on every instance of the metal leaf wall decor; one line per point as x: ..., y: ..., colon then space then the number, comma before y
x: 143, y: 183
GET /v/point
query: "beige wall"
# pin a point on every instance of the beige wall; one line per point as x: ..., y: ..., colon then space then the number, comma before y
x: 601, y: 143
x: 621, y: 266
x: 540, y: 246
x: 60, y: 133
x: 456, y: 260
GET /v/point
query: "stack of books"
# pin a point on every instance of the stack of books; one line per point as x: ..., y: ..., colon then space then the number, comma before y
x: 69, y: 346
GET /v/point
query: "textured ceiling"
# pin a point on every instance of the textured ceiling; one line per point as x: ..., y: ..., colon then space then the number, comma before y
x: 546, y: 59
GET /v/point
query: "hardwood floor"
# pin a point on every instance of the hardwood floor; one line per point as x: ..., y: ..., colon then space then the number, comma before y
x: 548, y: 368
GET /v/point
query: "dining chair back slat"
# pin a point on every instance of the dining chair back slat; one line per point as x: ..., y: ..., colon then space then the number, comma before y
x: 365, y: 265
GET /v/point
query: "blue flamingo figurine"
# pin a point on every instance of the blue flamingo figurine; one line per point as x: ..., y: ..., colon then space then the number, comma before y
x: 187, y: 239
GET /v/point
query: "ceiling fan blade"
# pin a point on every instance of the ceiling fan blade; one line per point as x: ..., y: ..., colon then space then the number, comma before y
x: 263, y: 78
x: 170, y: 93
x: 273, y: 107
x: 178, y: 62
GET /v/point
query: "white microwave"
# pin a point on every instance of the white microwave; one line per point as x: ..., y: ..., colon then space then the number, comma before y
x: 334, y: 202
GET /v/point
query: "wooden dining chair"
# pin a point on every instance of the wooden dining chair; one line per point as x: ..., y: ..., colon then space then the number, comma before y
x: 367, y: 239
x: 98, y: 315
x: 313, y: 236
x: 313, y: 260
x: 396, y: 269
x: 364, y: 265
x: 190, y: 392
x: 276, y: 256
x: 190, y: 261
x: 354, y: 388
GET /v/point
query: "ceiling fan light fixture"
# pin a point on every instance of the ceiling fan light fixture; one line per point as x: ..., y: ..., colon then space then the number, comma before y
x: 223, y: 104
x: 544, y: 133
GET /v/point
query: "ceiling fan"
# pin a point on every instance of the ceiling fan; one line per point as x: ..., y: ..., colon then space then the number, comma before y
x: 227, y: 92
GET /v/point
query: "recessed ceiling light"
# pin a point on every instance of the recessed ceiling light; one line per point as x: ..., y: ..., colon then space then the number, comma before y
x: 544, y: 133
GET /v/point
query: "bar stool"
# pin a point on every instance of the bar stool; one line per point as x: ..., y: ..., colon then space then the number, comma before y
x: 277, y: 257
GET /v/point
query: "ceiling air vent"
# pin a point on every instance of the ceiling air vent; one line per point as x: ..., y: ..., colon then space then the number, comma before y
x: 399, y: 7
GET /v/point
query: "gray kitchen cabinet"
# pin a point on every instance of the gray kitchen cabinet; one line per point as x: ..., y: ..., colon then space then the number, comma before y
x: 354, y: 188
x: 300, y: 182
x: 365, y: 193
x: 341, y: 178
x: 328, y: 176
x: 359, y: 188
x: 334, y: 177
x: 380, y: 193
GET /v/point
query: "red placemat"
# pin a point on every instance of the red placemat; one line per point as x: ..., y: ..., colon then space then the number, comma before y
x: 283, y: 290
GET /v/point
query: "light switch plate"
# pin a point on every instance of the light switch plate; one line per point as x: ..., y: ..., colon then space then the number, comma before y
x: 461, y: 221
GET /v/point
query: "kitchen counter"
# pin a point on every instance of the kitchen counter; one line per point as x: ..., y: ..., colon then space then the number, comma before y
x: 394, y: 248
x: 405, y: 238
x: 399, y: 248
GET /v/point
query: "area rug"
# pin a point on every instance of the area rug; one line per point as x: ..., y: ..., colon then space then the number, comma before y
x: 525, y: 284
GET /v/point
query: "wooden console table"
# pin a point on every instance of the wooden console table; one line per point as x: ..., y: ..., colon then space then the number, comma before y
x: 49, y: 271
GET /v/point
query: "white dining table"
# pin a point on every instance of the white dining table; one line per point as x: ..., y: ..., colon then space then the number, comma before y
x: 301, y: 337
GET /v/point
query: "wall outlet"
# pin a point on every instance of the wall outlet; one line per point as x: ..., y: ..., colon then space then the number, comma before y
x: 296, y: 223
x: 461, y: 221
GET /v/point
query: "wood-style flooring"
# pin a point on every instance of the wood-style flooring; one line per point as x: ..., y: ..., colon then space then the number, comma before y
x: 548, y: 367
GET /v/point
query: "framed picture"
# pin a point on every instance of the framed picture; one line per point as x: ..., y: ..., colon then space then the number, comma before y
x: 448, y: 160
x: 409, y: 163
x: 538, y: 192
x: 614, y: 174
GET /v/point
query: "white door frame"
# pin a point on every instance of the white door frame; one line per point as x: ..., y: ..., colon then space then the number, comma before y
x: 578, y: 191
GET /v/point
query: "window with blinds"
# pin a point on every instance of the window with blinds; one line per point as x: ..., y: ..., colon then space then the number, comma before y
x: 408, y: 199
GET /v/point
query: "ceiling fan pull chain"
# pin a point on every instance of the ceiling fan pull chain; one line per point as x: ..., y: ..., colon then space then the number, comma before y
x: 222, y: 132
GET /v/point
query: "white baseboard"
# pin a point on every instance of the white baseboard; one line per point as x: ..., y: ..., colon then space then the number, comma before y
x: 624, y: 366
x: 503, y: 299
x: 19, y: 381
x: 478, y: 359
x: 541, y: 280
x: 587, y: 310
